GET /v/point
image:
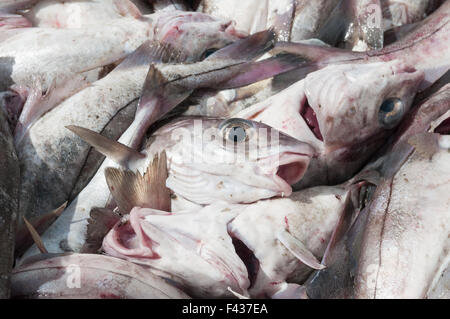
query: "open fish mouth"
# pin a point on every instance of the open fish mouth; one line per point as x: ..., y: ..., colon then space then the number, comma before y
x: 310, y: 118
x: 289, y: 169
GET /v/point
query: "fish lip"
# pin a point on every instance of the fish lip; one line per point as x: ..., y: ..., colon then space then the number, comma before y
x: 288, y: 163
x: 310, y: 117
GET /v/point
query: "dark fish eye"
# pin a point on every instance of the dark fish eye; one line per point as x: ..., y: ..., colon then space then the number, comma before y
x: 208, y: 52
x: 236, y: 130
x: 391, y: 112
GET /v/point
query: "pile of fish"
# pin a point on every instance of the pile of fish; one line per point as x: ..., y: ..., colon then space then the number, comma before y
x: 217, y: 149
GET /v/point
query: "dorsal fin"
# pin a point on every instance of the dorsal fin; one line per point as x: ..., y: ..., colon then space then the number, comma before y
x: 118, y: 152
x: 36, y: 238
x: 131, y: 189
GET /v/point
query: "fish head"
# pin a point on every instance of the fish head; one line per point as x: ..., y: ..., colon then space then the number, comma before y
x: 344, y: 111
x: 190, y: 247
x: 234, y: 160
x: 351, y: 103
x: 210, y: 33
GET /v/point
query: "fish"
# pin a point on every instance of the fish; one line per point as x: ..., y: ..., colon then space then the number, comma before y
x: 94, y: 107
x: 426, y: 48
x: 88, y: 276
x: 9, y: 191
x: 201, y: 170
x: 382, y: 254
x: 330, y: 104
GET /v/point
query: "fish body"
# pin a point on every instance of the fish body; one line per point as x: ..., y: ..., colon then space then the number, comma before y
x: 88, y: 276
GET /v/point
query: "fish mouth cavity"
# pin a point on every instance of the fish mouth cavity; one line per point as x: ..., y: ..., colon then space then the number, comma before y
x: 247, y: 256
x: 290, y: 170
x: 310, y: 118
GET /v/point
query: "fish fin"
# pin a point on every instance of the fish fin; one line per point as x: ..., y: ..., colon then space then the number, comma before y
x: 100, y: 222
x: 38, y: 103
x: 425, y: 144
x: 159, y: 91
x: 237, y: 295
x: 248, y: 48
x: 131, y: 189
x: 23, y: 237
x: 252, y: 72
x: 299, y: 250
x: 290, y: 291
x: 127, y: 8
x: 120, y: 153
x: 36, y: 237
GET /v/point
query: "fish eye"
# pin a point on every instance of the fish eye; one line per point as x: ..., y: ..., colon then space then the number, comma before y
x: 391, y: 112
x: 209, y: 52
x: 236, y: 130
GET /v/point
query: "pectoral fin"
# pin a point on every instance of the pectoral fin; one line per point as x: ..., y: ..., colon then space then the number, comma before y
x: 299, y: 250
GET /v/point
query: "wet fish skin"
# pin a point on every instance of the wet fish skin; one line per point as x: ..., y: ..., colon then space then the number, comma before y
x: 355, y: 24
x: 9, y: 190
x: 77, y: 14
x: 100, y: 277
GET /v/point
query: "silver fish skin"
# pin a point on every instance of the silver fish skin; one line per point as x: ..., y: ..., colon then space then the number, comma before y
x: 310, y: 17
x: 9, y: 190
x: 161, y: 95
x: 195, y: 164
x: 78, y: 14
x: 355, y: 25
x: 329, y: 105
x: 398, y: 245
x: 87, y: 276
x: 51, y: 155
x: 427, y: 48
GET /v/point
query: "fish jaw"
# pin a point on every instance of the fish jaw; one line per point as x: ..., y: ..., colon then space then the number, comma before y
x: 200, y: 257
